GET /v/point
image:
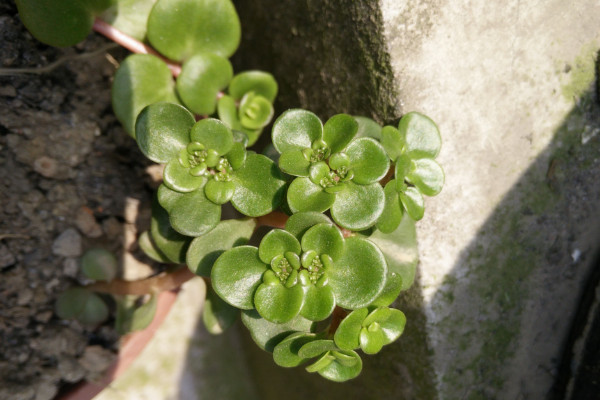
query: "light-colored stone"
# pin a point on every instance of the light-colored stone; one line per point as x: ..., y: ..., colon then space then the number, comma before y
x: 86, y: 223
x: 67, y: 244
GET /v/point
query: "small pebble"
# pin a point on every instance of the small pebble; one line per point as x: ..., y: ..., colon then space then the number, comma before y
x: 46, y: 166
x: 87, y: 224
x: 67, y: 244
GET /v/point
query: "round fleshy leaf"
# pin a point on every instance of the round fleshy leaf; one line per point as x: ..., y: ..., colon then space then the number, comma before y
x: 392, y: 141
x: 60, y: 23
x: 348, y: 332
x: 342, y: 370
x: 162, y: 130
x: 413, y: 203
x: 217, y: 315
x: 297, y: 224
x: 99, y: 264
x: 255, y: 111
x: 167, y: 197
x: 131, y: 316
x: 213, y: 134
x: 303, y: 195
x: 319, y: 303
x: 193, y: 214
x: 228, y: 112
x: 378, y: 315
x: 141, y: 80
x: 392, y: 211
x: 358, y: 207
x: 393, y: 326
x: 237, y: 155
x: 150, y: 249
x: 276, y: 243
x: 423, y: 138
x: 393, y: 287
x: 201, y: 79
x: 177, y: 177
x: 359, y: 276
x: 317, y: 347
x: 204, y: 250
x: 371, y: 339
x: 129, y: 16
x: 402, y: 168
x: 367, y: 128
x: 318, y: 171
x: 267, y: 334
x: 324, y: 239
x: 277, y: 303
x: 180, y: 29
x: 427, y: 176
x: 285, y: 354
x: 296, y: 129
x: 260, y: 186
x: 400, y: 251
x: 236, y: 274
x: 219, y: 192
x: 83, y: 305
x: 338, y: 131
x: 368, y: 160
x: 259, y: 82
x: 294, y: 163
x: 167, y: 240
x: 321, y: 363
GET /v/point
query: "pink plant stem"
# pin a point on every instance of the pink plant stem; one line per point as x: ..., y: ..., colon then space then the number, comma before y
x: 132, y: 44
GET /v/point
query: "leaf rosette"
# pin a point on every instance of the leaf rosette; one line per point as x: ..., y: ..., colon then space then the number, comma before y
x: 413, y: 147
x: 207, y: 166
x: 305, y: 270
x: 334, y: 169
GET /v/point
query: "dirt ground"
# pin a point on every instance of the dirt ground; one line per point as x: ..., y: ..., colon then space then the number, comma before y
x: 68, y: 171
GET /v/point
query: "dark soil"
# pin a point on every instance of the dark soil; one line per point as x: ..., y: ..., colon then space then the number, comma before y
x: 67, y: 171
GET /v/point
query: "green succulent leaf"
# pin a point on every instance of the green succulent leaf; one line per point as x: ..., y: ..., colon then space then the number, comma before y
x: 179, y: 29
x: 285, y: 354
x: 402, y: 168
x: 267, y: 334
x: 400, y: 250
x: 321, y: 363
x: 259, y: 82
x: 177, y: 177
x: 255, y: 111
x: 371, y: 339
x: 367, y: 128
x: 297, y: 224
x: 201, y: 78
x: 162, y: 130
x: 296, y: 129
x: 149, y: 248
x: 219, y: 192
x: 368, y: 160
x: 294, y: 163
x: 304, y: 195
x: 413, y: 203
x: 60, y: 23
x: 319, y: 303
x: 316, y: 347
x: 357, y: 207
x: 379, y: 315
x: 338, y: 131
x: 141, y: 80
x: 99, y: 264
x: 277, y: 242
x: 166, y: 197
x: 217, y: 315
x: 392, y: 141
x: 129, y: 16
x: 423, y: 138
x: 236, y: 274
x: 167, y: 240
x: 358, y: 277
x: 393, y: 287
x: 193, y: 214
x: 392, y: 211
x: 340, y: 369
x: 393, y: 326
x: 204, y: 250
x: 228, y: 112
x: 427, y: 176
x: 132, y: 316
x: 324, y: 239
x: 260, y: 186
x: 213, y: 134
x: 277, y: 303
x: 348, y: 332
x: 82, y: 305
x: 237, y: 155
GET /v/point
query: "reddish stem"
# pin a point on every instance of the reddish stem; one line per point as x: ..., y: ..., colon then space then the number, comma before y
x: 159, y: 283
x: 132, y: 44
